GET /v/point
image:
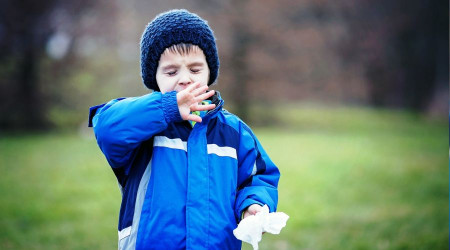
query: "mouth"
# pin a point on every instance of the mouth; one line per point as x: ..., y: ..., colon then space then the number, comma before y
x: 179, y: 88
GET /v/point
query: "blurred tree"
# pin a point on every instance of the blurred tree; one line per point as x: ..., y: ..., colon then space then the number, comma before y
x: 34, y: 33
x: 400, y: 44
x: 240, y: 45
x: 24, y: 30
x: 232, y: 16
x: 59, y: 57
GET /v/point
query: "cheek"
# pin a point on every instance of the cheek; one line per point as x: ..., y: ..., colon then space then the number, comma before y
x: 203, y: 77
x: 165, y: 84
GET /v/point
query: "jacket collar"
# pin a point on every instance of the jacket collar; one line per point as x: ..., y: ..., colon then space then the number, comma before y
x: 215, y: 99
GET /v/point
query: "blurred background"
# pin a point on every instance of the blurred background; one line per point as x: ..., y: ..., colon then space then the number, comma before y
x: 349, y: 98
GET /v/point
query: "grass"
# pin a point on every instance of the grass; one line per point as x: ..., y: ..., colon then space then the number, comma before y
x: 352, y: 178
x: 57, y: 193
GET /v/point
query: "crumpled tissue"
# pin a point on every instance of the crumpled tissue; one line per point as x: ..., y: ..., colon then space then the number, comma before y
x: 251, y: 228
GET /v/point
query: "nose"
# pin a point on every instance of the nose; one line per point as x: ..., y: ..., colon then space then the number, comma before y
x: 185, y: 78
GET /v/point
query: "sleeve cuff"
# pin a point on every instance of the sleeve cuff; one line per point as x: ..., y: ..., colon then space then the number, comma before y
x: 170, y: 107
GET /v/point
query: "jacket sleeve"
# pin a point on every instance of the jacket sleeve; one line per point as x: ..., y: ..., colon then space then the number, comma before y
x: 121, y: 125
x: 257, y: 175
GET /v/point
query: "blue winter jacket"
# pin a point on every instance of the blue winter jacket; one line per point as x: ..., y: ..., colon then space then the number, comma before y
x: 183, y: 187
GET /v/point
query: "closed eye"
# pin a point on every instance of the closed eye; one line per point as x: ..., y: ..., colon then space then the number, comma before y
x: 171, y: 73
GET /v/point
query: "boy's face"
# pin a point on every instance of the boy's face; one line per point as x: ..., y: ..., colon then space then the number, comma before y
x: 177, y: 71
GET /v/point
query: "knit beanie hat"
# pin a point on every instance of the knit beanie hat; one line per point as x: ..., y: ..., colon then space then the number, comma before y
x: 174, y: 27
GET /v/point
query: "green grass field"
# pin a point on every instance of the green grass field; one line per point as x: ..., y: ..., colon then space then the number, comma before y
x: 352, y: 178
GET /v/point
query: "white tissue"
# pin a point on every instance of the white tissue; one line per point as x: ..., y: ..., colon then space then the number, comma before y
x: 251, y: 228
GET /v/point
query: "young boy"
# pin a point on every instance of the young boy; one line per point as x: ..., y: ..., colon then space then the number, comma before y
x: 188, y: 170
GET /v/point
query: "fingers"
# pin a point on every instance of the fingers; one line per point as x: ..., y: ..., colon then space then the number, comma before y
x: 194, y: 118
x: 189, y: 99
x: 252, y: 212
x: 202, y: 107
x: 197, y: 107
x: 199, y: 90
x: 254, y: 209
x: 192, y: 86
x: 204, y: 96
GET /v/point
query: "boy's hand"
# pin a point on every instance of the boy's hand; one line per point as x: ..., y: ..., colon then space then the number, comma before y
x: 189, y: 98
x: 252, y: 210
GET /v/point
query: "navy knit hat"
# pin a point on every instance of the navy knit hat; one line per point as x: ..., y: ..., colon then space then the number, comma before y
x: 174, y: 27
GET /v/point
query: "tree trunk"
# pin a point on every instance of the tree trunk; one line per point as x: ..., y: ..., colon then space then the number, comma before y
x: 238, y: 63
